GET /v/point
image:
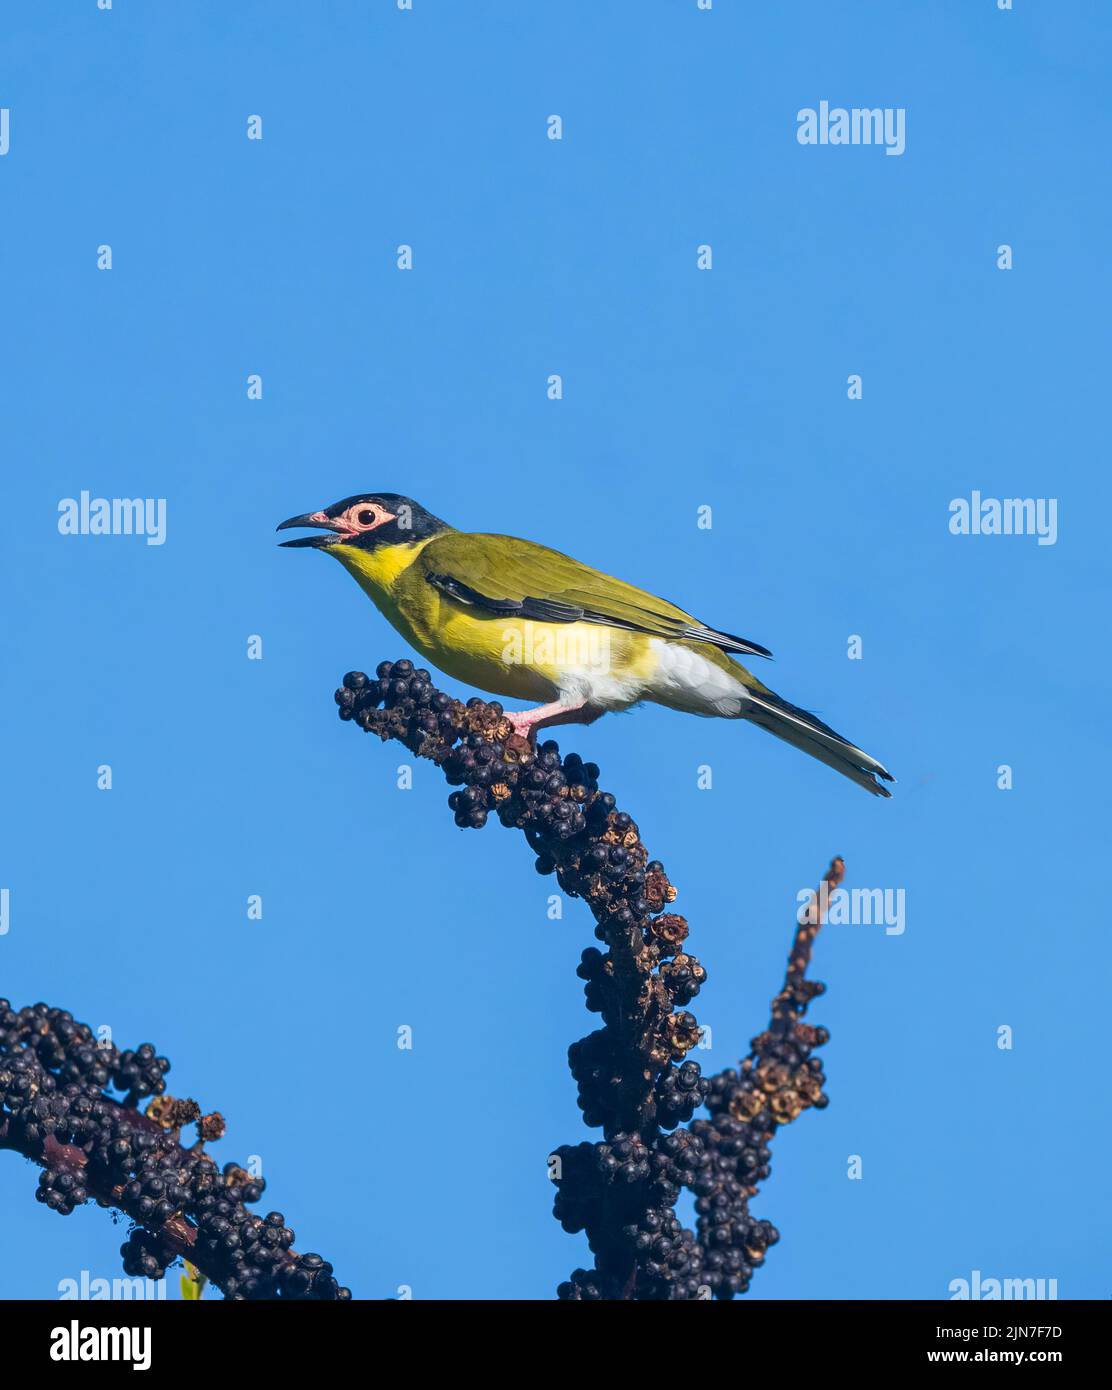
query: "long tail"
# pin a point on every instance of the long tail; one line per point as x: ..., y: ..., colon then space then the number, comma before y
x: 766, y: 709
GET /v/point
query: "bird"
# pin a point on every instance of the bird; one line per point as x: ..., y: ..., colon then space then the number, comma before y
x: 517, y: 619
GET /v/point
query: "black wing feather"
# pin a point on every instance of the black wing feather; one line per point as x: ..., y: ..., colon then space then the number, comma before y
x: 546, y: 610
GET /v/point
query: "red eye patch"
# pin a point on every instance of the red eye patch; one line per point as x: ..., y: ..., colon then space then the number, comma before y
x: 363, y: 517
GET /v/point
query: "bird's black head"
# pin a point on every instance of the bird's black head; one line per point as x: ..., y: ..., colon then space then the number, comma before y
x: 367, y: 521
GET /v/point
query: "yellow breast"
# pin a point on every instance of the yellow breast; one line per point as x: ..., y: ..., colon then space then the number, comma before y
x: 517, y: 657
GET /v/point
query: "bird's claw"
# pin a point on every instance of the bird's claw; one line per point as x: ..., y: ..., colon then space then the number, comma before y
x: 523, y: 726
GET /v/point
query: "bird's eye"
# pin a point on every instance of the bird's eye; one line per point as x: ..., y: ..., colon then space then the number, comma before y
x: 367, y: 517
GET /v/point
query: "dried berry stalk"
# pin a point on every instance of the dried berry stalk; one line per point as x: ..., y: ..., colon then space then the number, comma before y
x: 635, y: 1079
x: 55, y: 1109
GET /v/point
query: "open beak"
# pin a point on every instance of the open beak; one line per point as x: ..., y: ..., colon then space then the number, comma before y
x: 316, y: 521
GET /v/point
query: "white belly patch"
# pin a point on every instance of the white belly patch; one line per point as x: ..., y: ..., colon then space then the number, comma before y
x: 690, y: 681
x: 682, y: 678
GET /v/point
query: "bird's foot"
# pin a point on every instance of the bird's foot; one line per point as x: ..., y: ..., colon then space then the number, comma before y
x: 527, y: 722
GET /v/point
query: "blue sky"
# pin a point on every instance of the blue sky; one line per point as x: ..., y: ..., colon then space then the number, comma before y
x: 683, y: 388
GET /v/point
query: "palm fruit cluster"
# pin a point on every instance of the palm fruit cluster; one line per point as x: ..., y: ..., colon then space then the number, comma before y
x: 57, y: 1109
x: 636, y: 1081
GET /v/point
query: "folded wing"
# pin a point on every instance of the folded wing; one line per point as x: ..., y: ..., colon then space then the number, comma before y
x: 501, y: 576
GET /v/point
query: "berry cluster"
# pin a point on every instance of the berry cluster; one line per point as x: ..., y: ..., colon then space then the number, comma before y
x: 634, y: 1077
x: 774, y: 1085
x: 55, y: 1109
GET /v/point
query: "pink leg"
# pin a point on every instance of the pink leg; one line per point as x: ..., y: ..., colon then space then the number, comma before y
x: 527, y: 722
